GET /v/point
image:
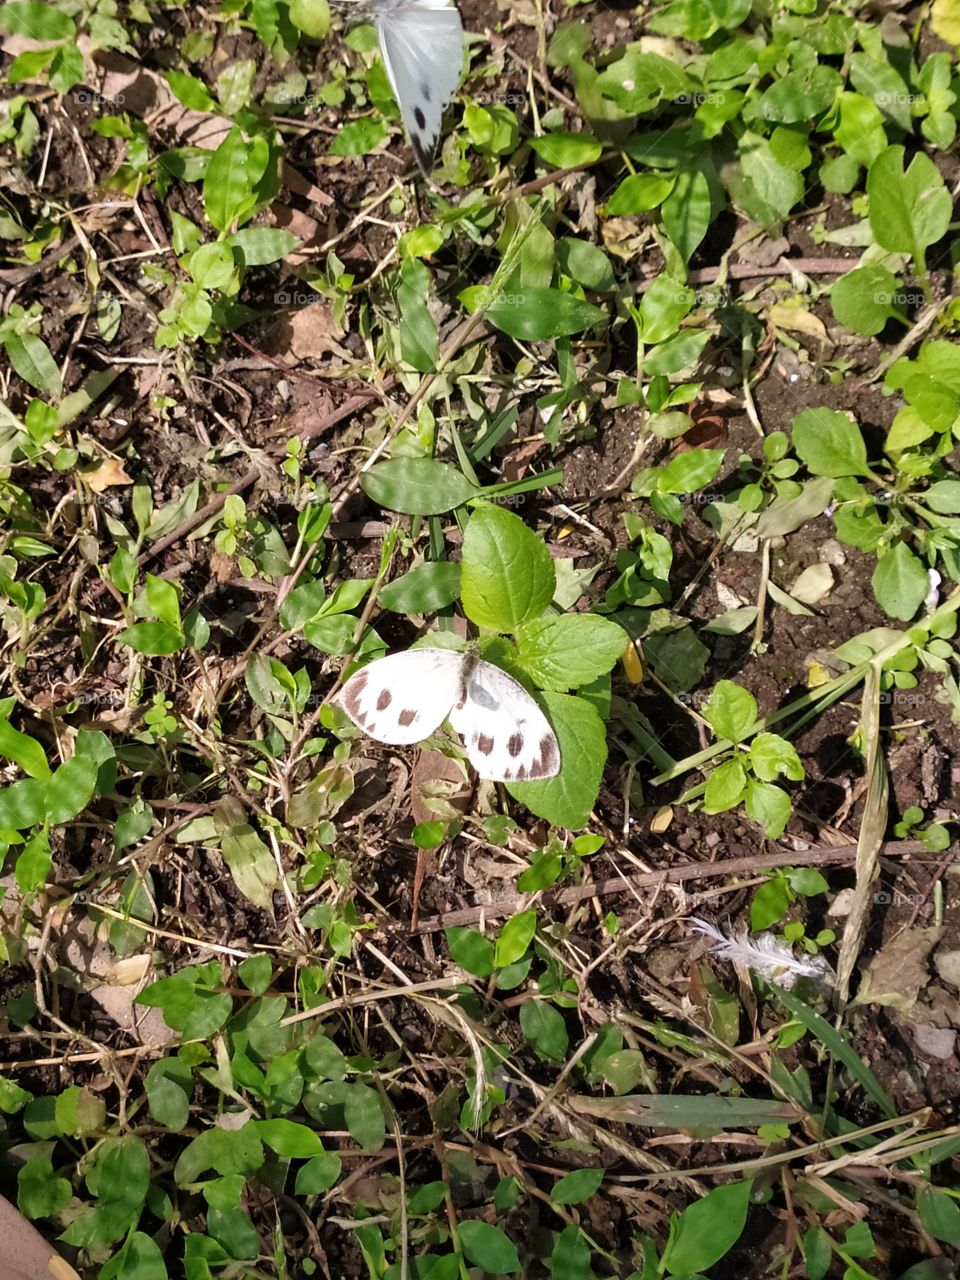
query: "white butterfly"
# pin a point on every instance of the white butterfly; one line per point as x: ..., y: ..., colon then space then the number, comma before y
x: 421, y: 43
x: 405, y: 697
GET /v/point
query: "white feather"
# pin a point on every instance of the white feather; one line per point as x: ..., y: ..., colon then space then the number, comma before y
x: 405, y: 697
x: 766, y: 955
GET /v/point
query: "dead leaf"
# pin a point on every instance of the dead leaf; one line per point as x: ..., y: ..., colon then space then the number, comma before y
x: 797, y: 320
x: 900, y: 970
x: 109, y: 472
x: 813, y: 584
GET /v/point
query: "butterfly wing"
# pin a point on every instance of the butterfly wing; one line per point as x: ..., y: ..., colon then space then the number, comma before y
x: 421, y: 43
x: 507, y: 736
x: 405, y: 697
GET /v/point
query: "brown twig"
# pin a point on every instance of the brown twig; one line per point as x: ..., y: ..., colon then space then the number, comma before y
x: 816, y: 855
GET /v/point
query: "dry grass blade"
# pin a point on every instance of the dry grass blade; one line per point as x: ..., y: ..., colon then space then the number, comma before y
x: 872, y: 828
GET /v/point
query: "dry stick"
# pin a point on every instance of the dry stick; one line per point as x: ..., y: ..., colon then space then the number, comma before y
x: 816, y: 855
x: 746, y: 271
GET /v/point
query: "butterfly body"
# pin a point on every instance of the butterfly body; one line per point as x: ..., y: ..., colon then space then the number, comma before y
x: 405, y: 697
x: 421, y: 43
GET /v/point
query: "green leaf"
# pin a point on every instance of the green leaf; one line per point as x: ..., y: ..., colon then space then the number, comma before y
x: 36, y: 21
x: 318, y: 1174
x: 259, y: 246
x: 900, y: 582
x: 249, y: 859
x: 363, y: 1113
x: 138, y: 1259
x: 817, y: 1253
x: 686, y: 212
x: 545, y: 1030
x: 689, y: 471
x: 909, y: 210
x: 800, y: 95
x: 940, y: 1214
x: 577, y: 1186
x: 233, y: 172
x: 40, y: 1192
x: 71, y: 789
x: 31, y: 358
x: 312, y: 17
x: 156, y: 638
x: 424, y: 589
x: 639, y: 193
x: 829, y: 443
x: 471, y: 951
x: 768, y: 805
x: 707, y: 1230
x: 569, y: 651
x: 360, y: 137
x: 33, y: 864
x: 225, y: 1150
x: 863, y: 299
x: 487, y: 1247
x: 255, y: 973
x: 725, y: 787
x: 23, y: 804
x: 507, y: 575
x: 290, y: 1139
x: 419, y: 340
x: 169, y: 1085
x: 567, y: 150
x: 571, y: 1255
x: 417, y: 486
x: 190, y: 91
x: 26, y: 751
x: 942, y: 497
x: 731, y: 711
x: 771, y: 756
x: 536, y: 314
x: 568, y: 799
x: 514, y: 938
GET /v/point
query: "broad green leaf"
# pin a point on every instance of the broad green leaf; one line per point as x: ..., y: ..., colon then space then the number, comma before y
x: 138, y: 1259
x: 31, y: 358
x: 942, y: 497
x: 224, y: 1150
x: 27, y: 752
x: 193, y: 93
x: 424, y: 589
x: 487, y: 1247
x: 567, y: 150
x: 40, y: 1192
x: 771, y: 756
x: 577, y: 1186
x: 863, y: 299
x: 249, y: 859
x: 537, y: 314
x: 71, y: 789
x: 230, y: 183
x: 417, y: 486
x: 33, y: 864
x: 639, y: 193
x: 689, y: 471
x: 731, y: 711
x: 940, y: 1214
x: 786, y: 515
x: 156, y: 638
x: 801, y: 95
x: 259, y: 246
x: 312, y: 17
x: 725, y: 787
x: 686, y: 212
x: 318, y: 1174
x: 545, y: 1030
x: 900, y: 582
x: 829, y: 443
x: 909, y: 209
x: 707, y: 1229
x: 363, y: 1113
x: 514, y: 938
x: 121, y: 1179
x: 169, y: 1085
x: 507, y: 575
x: 566, y: 652
x: 571, y: 1255
x: 769, y: 805
x: 287, y: 1138
x: 36, y: 21
x: 568, y: 799
x: 471, y: 951
x: 23, y: 804
x: 419, y: 340
x: 359, y: 137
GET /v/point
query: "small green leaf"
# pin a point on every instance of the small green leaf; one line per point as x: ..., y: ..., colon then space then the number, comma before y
x: 417, y: 486
x: 537, y: 314
x: 514, y: 938
x: 567, y: 150
x: 23, y: 750
x: 707, y: 1230
x: 288, y: 1138
x: 577, y: 1186
x: 829, y: 443
x: 487, y: 1247
x: 731, y: 711
x: 900, y: 582
x: 471, y: 951
x: 424, y: 589
x: 545, y: 1030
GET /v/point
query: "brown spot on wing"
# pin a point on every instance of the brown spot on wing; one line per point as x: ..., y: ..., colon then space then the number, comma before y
x: 515, y: 745
x: 352, y: 691
x: 547, y: 762
x: 386, y: 697
x: 484, y: 744
x: 407, y: 718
